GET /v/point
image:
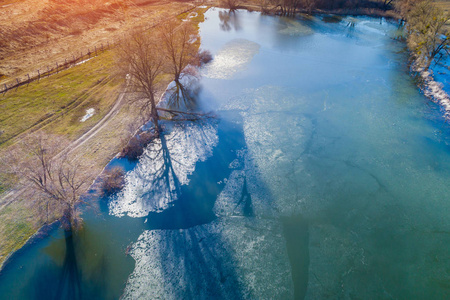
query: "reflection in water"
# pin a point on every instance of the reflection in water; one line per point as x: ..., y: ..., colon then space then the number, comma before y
x: 69, y: 285
x: 182, y: 95
x: 66, y: 280
x: 229, y: 20
x: 165, y: 165
x: 72, y: 273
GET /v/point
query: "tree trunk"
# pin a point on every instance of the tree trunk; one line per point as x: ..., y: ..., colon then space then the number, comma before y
x: 154, y: 115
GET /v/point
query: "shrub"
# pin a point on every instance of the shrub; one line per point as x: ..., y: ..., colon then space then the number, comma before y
x: 113, y: 180
x: 204, y: 57
x: 136, y: 145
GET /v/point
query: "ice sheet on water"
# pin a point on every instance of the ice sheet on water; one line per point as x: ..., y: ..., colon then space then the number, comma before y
x: 245, y: 194
x: 232, y: 58
x: 226, y: 259
x: 277, y: 132
x: 228, y: 200
x: 165, y: 165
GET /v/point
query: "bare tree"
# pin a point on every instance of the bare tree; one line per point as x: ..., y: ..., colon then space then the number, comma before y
x: 35, y: 162
x: 232, y: 5
x: 428, y: 37
x: 287, y: 8
x: 181, y: 48
x: 141, y: 60
x: 143, y: 57
x: 404, y: 7
x: 181, y: 43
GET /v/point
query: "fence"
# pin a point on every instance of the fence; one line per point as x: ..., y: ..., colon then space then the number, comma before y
x: 56, y: 68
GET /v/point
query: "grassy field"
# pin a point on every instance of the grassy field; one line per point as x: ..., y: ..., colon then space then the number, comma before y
x: 59, y: 102
x: 56, y: 105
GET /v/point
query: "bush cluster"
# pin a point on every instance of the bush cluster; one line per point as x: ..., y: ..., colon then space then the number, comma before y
x: 136, y: 145
x: 113, y: 180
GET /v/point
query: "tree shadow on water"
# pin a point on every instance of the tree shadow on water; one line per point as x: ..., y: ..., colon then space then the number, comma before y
x: 183, y: 95
x: 229, y: 20
x: 69, y: 285
x: 69, y: 276
x: 195, y: 261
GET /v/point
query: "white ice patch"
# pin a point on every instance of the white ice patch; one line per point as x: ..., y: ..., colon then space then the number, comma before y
x: 434, y: 91
x: 226, y: 259
x: 276, y: 139
x: 245, y: 192
x: 165, y: 165
x: 232, y: 58
x: 89, y: 113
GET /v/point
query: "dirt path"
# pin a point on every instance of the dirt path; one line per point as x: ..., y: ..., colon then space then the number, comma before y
x: 99, y: 126
x: 16, y: 193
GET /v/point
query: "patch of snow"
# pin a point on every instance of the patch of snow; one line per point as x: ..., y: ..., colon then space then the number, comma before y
x: 83, y: 61
x: 89, y: 113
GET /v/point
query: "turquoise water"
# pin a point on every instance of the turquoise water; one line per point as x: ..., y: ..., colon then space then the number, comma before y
x: 324, y: 176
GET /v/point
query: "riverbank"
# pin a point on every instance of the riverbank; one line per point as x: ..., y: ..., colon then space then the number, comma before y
x: 92, y: 144
x: 365, y: 11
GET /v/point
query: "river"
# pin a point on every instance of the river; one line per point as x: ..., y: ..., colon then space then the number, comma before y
x: 324, y: 176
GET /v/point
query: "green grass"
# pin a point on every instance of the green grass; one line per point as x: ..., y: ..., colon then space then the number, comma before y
x: 15, y: 229
x: 59, y: 102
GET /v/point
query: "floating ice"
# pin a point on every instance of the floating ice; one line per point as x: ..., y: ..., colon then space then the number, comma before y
x: 276, y: 139
x: 165, y: 165
x: 434, y: 91
x: 226, y: 259
x: 232, y: 58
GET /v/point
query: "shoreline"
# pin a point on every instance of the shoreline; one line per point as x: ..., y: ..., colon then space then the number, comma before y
x: 112, y: 149
x: 95, y: 151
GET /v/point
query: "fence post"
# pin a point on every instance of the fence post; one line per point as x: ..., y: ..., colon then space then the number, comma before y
x: 56, y: 68
x: 6, y: 87
x: 39, y: 75
x: 17, y: 79
x: 29, y: 80
x: 48, y: 71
